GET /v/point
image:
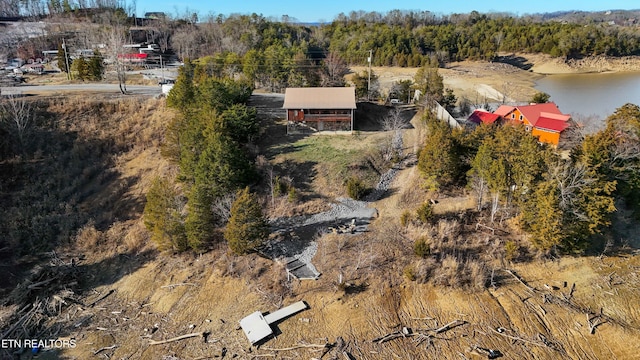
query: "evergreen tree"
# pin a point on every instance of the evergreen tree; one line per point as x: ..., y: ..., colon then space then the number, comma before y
x: 568, y: 208
x: 81, y: 68
x: 545, y: 218
x: 200, y: 221
x: 222, y: 166
x: 614, y: 154
x: 540, y: 98
x: 363, y: 90
x: 247, y: 229
x: 182, y: 95
x: 239, y: 122
x: 252, y: 65
x: 66, y: 6
x: 429, y: 83
x: 96, y: 66
x: 449, y: 100
x: 162, y: 216
x: 438, y: 160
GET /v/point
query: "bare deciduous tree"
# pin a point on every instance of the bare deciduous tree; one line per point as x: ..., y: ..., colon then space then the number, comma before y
x: 581, y: 126
x: 335, y: 69
x: 480, y: 186
x: 571, y: 178
x: 17, y: 115
x: 115, y: 40
x: 113, y: 32
x: 495, y: 204
x: 394, y: 122
x: 162, y: 30
x: 9, y: 7
x: 185, y: 43
x: 222, y: 207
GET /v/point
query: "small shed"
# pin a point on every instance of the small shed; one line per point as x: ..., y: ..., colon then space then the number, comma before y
x: 320, y: 109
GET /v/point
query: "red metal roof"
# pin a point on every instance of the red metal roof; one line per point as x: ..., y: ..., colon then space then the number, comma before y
x: 504, y: 110
x: 482, y: 116
x: 550, y: 124
x: 563, y: 117
x: 133, y: 56
x: 533, y: 112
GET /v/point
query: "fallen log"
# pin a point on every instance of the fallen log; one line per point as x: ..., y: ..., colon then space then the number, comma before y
x: 517, y: 338
x: 493, y: 231
x: 406, y: 332
x: 520, y: 280
x: 573, y: 288
x: 594, y: 325
x: 179, y: 284
x: 297, y: 347
x: 38, y: 284
x: 388, y: 337
x: 177, y: 338
x: 19, y: 322
x: 102, y: 297
x: 105, y: 348
x: 450, y: 326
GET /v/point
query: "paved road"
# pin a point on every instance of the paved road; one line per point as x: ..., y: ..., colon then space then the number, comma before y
x: 106, y: 88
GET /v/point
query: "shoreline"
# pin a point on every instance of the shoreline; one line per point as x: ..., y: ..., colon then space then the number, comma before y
x: 513, y: 75
x: 547, y: 65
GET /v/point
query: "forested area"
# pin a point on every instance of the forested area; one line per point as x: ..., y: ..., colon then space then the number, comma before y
x: 208, y: 141
x: 278, y: 54
x: 563, y: 203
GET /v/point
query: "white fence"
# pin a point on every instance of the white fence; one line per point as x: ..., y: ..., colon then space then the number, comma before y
x: 443, y: 114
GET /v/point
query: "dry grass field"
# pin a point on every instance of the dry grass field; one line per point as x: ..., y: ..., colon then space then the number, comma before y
x: 463, y: 300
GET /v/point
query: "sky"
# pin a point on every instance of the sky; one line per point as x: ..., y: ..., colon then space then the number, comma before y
x: 327, y: 10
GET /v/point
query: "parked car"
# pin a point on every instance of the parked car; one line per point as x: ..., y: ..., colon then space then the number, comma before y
x: 166, y: 81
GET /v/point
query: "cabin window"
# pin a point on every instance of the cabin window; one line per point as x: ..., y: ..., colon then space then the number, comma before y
x: 513, y: 116
x: 295, y: 113
x: 521, y: 117
x: 528, y: 128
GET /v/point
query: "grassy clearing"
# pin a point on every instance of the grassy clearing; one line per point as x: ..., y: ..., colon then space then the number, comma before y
x: 328, y: 160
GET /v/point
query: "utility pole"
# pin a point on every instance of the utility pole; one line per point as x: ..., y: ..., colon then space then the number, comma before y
x: 66, y: 59
x: 369, y: 82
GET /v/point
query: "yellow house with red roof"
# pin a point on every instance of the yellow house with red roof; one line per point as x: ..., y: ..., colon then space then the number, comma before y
x: 544, y: 121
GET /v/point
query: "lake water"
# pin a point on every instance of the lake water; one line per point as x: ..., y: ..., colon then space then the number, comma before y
x: 592, y: 94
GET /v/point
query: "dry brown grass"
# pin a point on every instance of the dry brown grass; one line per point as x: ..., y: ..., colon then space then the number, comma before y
x: 283, y: 207
x: 213, y: 291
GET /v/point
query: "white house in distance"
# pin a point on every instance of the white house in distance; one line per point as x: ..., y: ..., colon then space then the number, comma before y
x: 320, y: 109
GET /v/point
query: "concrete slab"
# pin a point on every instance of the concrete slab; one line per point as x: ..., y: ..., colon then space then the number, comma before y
x: 255, y: 327
x: 258, y: 327
x: 285, y: 312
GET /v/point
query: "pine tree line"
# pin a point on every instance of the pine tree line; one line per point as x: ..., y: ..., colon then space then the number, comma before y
x: 208, y: 141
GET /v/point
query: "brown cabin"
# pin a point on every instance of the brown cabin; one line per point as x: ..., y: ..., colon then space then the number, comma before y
x: 320, y: 109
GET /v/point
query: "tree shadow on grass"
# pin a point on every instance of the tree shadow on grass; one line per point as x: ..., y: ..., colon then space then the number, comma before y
x: 370, y: 116
x: 301, y: 173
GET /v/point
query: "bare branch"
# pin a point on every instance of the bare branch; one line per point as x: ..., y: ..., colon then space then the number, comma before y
x: 177, y: 338
x: 18, y: 115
